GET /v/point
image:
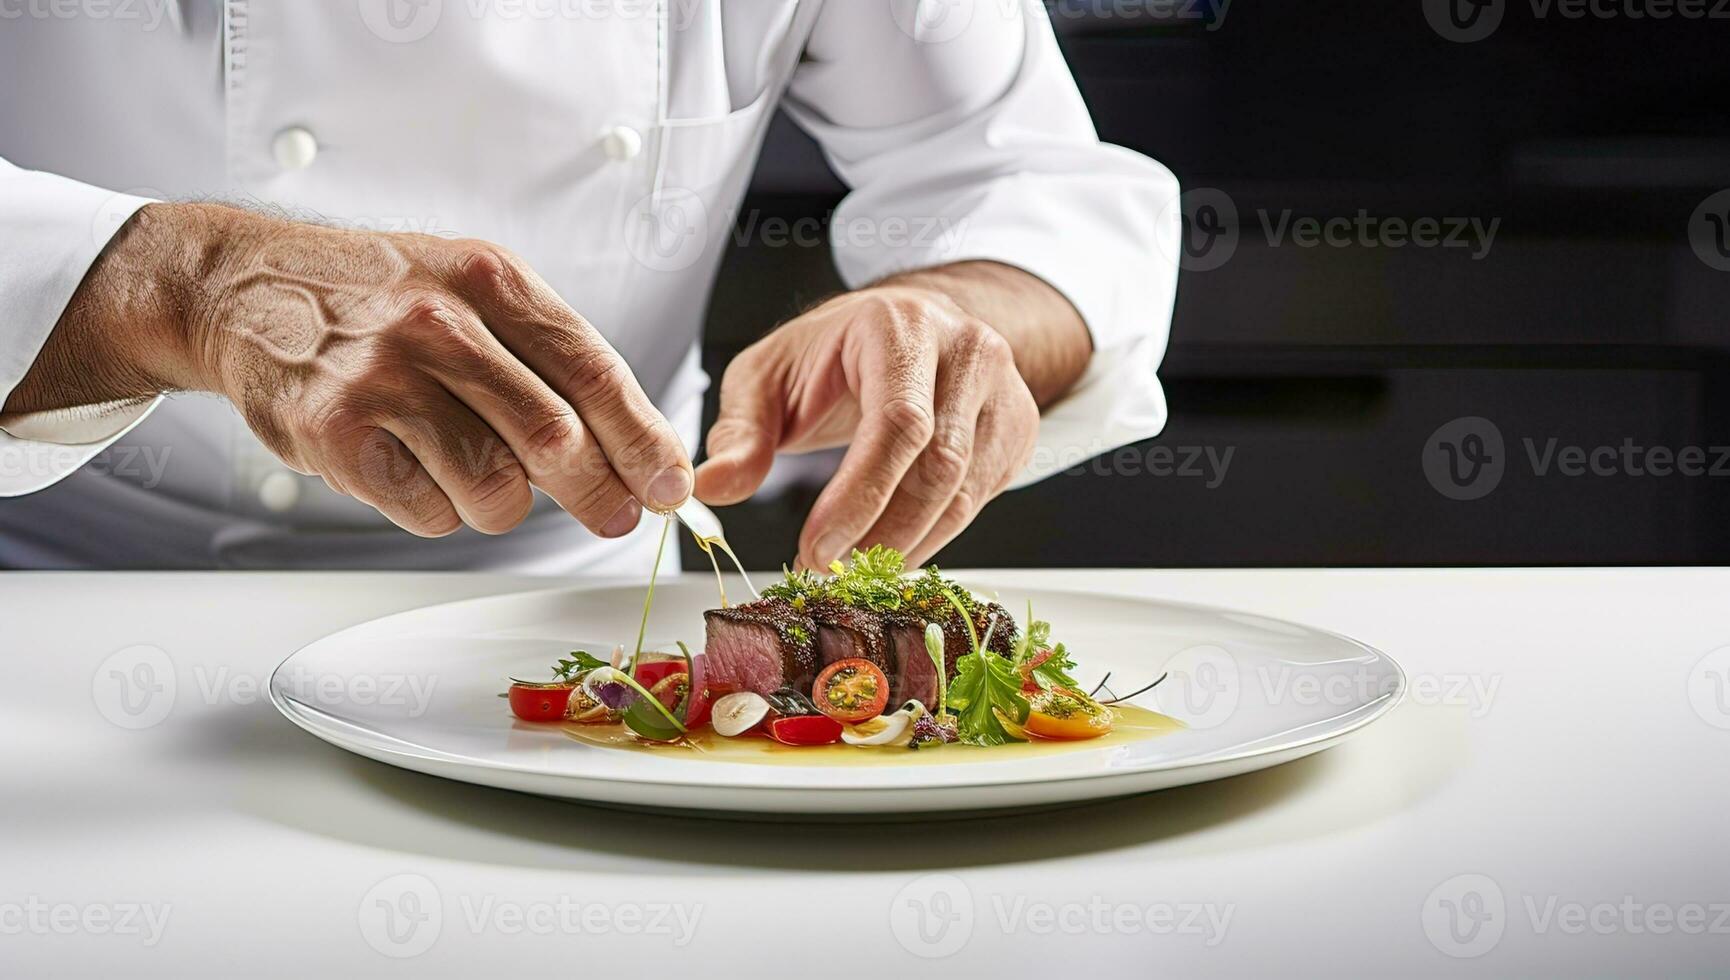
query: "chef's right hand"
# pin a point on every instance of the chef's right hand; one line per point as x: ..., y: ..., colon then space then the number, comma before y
x: 433, y: 379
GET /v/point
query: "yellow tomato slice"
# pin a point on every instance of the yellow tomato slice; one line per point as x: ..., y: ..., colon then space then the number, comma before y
x: 1059, y: 714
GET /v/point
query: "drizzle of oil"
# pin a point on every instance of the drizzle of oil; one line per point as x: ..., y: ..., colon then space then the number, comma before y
x: 1133, y: 725
x: 709, y: 544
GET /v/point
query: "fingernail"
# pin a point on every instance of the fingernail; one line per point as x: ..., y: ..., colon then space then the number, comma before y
x: 829, y: 547
x: 624, y: 522
x: 670, y: 489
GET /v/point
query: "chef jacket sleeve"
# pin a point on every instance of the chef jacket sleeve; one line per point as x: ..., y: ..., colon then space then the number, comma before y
x: 962, y: 136
x: 51, y: 231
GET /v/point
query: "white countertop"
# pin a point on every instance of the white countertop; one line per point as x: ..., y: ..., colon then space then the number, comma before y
x: 1566, y: 744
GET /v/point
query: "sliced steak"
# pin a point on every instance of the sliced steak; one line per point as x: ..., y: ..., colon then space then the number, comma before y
x: 768, y: 644
x: 916, y: 675
x: 915, y: 678
x: 844, y: 631
x: 760, y: 646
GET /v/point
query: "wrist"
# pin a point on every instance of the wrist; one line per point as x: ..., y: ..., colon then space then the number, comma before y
x: 130, y: 330
x: 1051, y: 342
x: 178, y: 258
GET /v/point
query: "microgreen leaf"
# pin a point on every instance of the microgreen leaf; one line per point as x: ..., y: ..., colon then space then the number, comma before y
x: 934, y: 647
x: 576, y: 665
x: 983, y: 682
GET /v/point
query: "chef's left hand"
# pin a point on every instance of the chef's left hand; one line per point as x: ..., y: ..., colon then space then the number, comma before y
x: 928, y: 399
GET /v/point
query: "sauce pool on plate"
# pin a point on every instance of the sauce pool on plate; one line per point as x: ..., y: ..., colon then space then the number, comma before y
x: 1133, y: 725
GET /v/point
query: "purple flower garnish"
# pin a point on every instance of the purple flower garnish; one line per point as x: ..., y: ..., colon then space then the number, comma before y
x: 615, y: 695
x: 927, y: 730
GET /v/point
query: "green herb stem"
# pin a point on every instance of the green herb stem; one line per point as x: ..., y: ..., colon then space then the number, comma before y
x: 972, y: 634
x: 649, y: 600
x: 654, y: 701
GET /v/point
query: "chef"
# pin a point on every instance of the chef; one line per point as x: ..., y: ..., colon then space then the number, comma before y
x: 342, y: 284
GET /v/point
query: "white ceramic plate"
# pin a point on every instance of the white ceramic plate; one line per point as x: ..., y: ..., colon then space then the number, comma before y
x: 419, y: 690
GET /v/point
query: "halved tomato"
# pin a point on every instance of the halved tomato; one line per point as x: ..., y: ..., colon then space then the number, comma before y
x: 655, y: 667
x: 851, y: 690
x: 540, y: 702
x: 1061, y: 714
x: 672, y: 689
x: 701, y: 704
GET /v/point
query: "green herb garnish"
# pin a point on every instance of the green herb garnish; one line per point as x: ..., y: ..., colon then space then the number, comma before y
x: 649, y: 600
x: 576, y: 665
x: 1054, y: 670
x: 983, y: 682
x: 934, y: 647
x: 873, y: 579
x: 648, y: 717
x: 568, y: 670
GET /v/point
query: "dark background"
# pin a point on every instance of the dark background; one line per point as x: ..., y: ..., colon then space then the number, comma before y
x: 1325, y: 369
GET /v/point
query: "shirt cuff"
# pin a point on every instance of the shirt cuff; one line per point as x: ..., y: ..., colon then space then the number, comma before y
x: 39, y: 449
x: 51, y: 231
x: 1118, y: 401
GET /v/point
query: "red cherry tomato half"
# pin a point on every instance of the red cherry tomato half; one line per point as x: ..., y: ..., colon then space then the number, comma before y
x: 851, y: 690
x: 805, y: 730
x: 700, y: 705
x: 540, y: 702
x: 652, y: 672
x: 672, y: 690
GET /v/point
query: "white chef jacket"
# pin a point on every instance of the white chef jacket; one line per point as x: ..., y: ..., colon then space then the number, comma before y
x: 608, y: 142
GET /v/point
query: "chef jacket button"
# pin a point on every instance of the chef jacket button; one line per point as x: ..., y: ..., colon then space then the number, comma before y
x: 622, y: 143
x: 295, y: 148
x: 279, y: 491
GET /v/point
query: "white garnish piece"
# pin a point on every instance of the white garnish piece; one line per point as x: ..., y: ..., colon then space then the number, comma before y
x: 737, y: 713
x: 601, y: 675
x: 891, y: 729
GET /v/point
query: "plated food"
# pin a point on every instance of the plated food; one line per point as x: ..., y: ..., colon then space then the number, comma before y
x: 1213, y: 717
x: 870, y: 656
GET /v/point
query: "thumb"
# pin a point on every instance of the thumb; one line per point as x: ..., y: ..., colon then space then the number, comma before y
x: 743, y: 440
